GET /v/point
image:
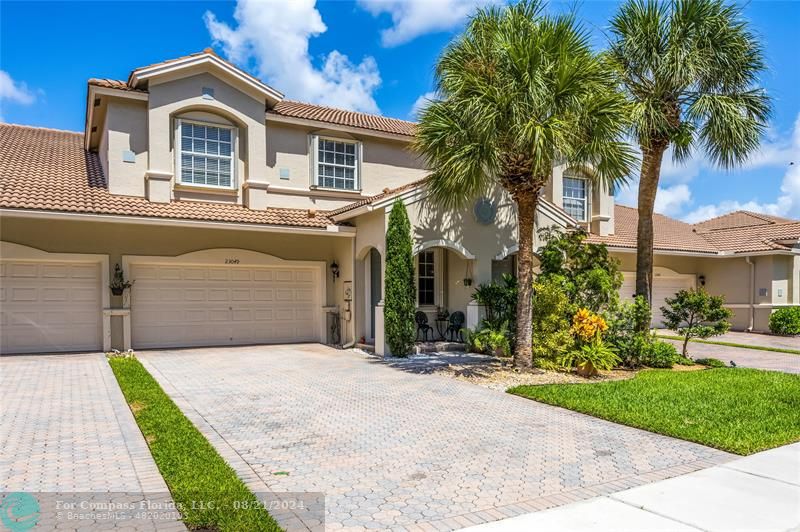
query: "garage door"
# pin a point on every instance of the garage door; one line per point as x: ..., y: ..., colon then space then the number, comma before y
x: 664, y: 286
x: 50, y: 307
x: 195, y: 305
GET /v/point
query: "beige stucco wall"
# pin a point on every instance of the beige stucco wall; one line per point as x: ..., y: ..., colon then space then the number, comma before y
x: 118, y: 239
x: 125, y: 129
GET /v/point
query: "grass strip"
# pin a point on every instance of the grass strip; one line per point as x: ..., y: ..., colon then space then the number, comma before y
x: 742, y: 411
x: 731, y: 344
x: 207, y: 490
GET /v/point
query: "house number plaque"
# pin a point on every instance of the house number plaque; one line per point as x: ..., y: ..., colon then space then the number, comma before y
x: 232, y: 261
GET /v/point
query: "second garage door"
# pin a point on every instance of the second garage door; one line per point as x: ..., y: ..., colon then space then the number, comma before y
x: 664, y: 286
x: 193, y: 305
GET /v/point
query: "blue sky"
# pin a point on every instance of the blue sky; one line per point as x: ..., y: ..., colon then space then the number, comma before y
x: 370, y: 55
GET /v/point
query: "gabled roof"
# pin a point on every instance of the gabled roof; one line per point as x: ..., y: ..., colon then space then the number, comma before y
x: 739, y: 232
x: 49, y: 170
x: 341, y: 117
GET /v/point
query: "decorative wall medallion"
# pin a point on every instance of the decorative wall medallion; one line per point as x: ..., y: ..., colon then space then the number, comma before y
x: 485, y: 211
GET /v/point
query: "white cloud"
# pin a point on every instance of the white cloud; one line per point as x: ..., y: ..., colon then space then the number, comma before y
x: 670, y: 201
x: 412, y: 18
x: 420, y: 104
x: 273, y: 37
x: 14, y: 92
x: 774, y: 153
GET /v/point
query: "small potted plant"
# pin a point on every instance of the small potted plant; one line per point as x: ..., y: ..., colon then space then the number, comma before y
x: 118, y: 283
x: 442, y: 314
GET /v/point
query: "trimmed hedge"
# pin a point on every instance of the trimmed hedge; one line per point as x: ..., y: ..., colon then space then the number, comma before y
x: 785, y: 320
x: 400, y: 300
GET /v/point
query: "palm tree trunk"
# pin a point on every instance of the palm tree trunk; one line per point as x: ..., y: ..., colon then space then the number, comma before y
x: 526, y: 219
x: 648, y: 186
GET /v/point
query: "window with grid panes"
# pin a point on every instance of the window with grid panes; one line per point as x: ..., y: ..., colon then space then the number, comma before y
x: 337, y: 164
x: 206, y: 155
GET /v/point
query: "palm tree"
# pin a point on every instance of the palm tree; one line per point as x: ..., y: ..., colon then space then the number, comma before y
x: 518, y: 93
x: 690, y: 69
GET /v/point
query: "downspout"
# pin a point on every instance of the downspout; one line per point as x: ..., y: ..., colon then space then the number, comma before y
x: 752, y: 293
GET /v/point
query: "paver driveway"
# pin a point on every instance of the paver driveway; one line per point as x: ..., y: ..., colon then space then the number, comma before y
x: 392, y: 449
x: 65, y: 429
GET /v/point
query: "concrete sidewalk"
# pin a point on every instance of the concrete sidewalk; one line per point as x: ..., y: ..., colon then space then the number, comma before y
x: 760, y: 492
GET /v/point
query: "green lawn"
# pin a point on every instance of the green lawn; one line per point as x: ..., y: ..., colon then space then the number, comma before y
x: 738, y: 410
x: 195, y: 473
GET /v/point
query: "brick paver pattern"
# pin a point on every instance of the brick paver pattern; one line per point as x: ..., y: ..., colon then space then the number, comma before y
x: 65, y: 428
x: 397, y: 450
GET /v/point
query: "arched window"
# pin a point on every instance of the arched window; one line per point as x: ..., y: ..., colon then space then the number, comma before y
x: 206, y: 154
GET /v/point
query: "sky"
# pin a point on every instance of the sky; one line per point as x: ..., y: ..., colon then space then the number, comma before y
x: 374, y: 56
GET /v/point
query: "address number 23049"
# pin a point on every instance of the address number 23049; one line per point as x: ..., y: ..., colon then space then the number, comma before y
x: 232, y: 261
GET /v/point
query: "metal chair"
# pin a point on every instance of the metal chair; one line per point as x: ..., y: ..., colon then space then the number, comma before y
x: 422, y: 325
x: 457, y: 320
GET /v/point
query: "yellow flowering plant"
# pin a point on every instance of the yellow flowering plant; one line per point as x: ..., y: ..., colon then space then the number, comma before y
x: 587, y: 325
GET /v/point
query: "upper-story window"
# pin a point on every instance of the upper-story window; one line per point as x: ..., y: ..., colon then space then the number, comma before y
x: 576, y: 197
x: 337, y: 163
x: 206, y: 154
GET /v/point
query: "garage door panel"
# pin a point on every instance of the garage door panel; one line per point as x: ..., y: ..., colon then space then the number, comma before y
x: 50, y: 306
x: 663, y: 287
x: 220, y: 306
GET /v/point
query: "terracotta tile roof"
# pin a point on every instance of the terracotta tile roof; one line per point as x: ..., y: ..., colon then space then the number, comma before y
x: 46, y: 169
x: 739, y: 219
x: 737, y: 232
x: 113, y: 84
x: 387, y: 193
x: 669, y: 234
x: 341, y: 117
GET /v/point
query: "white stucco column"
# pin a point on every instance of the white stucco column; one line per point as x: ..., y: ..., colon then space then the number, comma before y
x: 473, y: 314
x: 381, y: 347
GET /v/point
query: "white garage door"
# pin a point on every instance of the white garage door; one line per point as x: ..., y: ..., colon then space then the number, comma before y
x: 50, y: 307
x: 196, y: 305
x: 664, y: 286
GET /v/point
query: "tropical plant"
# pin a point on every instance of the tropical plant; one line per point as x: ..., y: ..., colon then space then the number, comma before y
x: 696, y: 314
x: 399, y: 304
x: 552, y: 337
x: 518, y: 93
x: 587, y: 272
x: 785, y: 320
x: 711, y: 362
x: 630, y: 343
x: 590, y: 357
x: 499, y: 300
x: 660, y: 355
x: 690, y: 69
x: 490, y: 341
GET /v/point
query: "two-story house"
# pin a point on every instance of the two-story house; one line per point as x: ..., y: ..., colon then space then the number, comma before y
x: 242, y: 217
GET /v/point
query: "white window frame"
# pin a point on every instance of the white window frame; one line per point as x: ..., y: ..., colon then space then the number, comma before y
x: 438, y: 279
x: 177, y: 143
x: 314, y: 173
x: 586, y: 199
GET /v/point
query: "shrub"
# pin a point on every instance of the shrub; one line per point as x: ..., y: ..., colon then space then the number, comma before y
x: 499, y: 300
x: 552, y: 338
x: 683, y: 361
x: 399, y: 298
x: 589, y: 275
x: 590, y: 357
x: 489, y: 341
x: 629, y: 342
x: 711, y: 362
x: 660, y: 355
x: 696, y: 314
x: 785, y: 320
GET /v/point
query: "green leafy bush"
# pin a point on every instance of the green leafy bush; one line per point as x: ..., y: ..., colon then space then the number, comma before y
x: 590, y: 357
x: 696, y: 314
x: 399, y: 303
x: 629, y: 342
x: 785, y: 320
x: 488, y: 341
x: 660, y: 355
x: 711, y: 362
x: 589, y: 275
x: 552, y: 338
x: 684, y: 361
x: 499, y: 300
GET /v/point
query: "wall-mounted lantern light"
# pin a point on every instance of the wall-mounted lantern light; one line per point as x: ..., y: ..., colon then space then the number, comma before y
x: 702, y: 280
x: 334, y: 270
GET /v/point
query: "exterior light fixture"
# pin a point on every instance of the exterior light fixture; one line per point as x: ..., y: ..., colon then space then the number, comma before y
x: 702, y: 280
x: 334, y: 270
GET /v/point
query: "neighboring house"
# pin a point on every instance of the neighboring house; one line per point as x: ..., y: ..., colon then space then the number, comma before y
x: 247, y: 218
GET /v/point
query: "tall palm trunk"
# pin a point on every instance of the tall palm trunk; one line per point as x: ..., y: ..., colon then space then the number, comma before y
x: 648, y: 186
x: 526, y: 219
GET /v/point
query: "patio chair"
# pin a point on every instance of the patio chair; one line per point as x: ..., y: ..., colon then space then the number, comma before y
x: 456, y: 324
x: 422, y: 325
